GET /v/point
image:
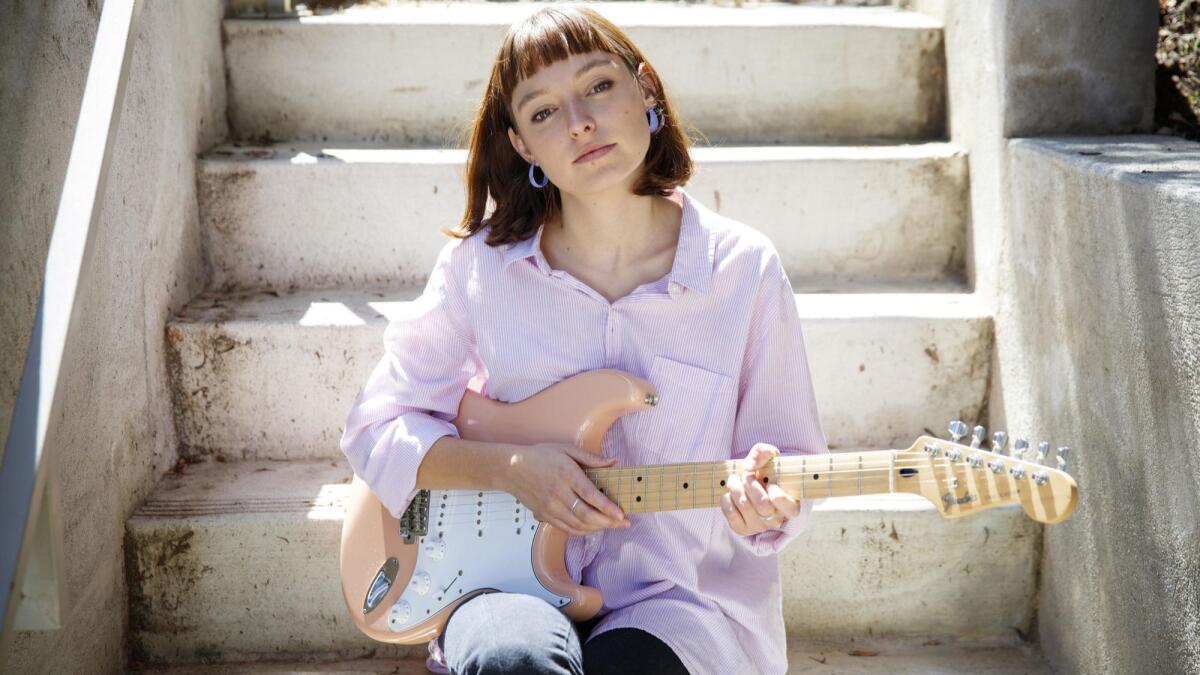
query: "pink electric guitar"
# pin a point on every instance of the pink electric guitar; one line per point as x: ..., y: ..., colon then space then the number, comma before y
x: 401, y: 578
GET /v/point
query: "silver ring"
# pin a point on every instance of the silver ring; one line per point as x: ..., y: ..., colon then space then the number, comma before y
x: 574, y: 505
x: 773, y: 516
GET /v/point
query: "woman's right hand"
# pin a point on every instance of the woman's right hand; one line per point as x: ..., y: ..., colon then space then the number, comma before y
x: 547, y: 478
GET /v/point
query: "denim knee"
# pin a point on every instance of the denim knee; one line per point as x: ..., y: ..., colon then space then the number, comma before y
x: 509, y: 633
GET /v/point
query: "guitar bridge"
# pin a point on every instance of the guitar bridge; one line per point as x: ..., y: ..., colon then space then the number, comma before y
x: 414, y: 522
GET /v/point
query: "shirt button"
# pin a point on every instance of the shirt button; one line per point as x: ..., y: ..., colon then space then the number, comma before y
x: 673, y: 288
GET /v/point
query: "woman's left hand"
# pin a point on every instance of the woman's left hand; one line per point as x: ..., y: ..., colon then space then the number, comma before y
x: 750, y: 507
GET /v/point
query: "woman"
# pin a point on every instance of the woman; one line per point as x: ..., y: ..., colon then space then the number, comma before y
x: 595, y: 257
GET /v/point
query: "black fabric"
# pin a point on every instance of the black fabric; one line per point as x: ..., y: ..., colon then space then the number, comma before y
x: 629, y: 651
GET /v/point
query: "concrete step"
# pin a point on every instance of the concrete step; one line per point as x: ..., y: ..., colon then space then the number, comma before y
x: 887, y: 657
x: 268, y: 375
x: 232, y: 561
x: 413, y: 73
x: 312, y: 216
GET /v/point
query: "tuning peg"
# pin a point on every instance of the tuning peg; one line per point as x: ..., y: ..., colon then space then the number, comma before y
x: 1018, y: 448
x: 1043, y: 450
x: 977, y: 436
x: 1062, y: 458
x: 957, y: 430
x: 999, y: 440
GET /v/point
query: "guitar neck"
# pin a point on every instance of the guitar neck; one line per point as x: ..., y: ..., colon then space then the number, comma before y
x: 693, y: 485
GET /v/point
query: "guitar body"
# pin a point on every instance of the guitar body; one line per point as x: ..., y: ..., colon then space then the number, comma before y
x: 402, y: 578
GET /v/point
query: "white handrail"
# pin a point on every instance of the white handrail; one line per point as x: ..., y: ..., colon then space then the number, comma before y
x: 30, y: 550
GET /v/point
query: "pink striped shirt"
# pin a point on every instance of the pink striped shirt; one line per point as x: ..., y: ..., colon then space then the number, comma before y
x: 719, y: 338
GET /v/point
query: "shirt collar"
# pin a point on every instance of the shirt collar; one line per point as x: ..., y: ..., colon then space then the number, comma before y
x: 694, y: 254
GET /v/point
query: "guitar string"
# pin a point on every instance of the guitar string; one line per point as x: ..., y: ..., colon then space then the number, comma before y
x: 452, y: 522
x: 880, y: 464
x: 839, y: 465
x: 454, y: 515
x: 819, y: 484
x: 790, y: 477
x: 836, y: 460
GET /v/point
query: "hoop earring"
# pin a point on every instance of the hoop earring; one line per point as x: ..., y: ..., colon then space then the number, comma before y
x: 545, y: 178
x: 654, y: 119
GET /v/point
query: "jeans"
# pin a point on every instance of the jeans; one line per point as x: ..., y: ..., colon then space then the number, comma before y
x: 513, y: 633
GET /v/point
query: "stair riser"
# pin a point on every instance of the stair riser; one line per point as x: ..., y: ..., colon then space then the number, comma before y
x: 239, y: 587
x: 912, y: 574
x: 278, y: 390
x: 274, y: 224
x: 416, y: 85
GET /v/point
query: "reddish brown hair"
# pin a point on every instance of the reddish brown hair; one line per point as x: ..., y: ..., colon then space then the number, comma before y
x: 494, y: 168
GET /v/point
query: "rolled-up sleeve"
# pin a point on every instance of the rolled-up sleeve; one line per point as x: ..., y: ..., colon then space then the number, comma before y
x: 414, y: 391
x: 776, y: 402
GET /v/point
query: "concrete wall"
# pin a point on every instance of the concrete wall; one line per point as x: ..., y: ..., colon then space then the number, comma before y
x: 1099, y: 344
x: 116, y: 437
x: 1028, y: 68
x: 1090, y: 267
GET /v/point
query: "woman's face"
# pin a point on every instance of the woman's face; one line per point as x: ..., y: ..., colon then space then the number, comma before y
x: 578, y: 103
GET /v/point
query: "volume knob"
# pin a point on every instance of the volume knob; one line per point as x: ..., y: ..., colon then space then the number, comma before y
x: 421, y: 582
x: 435, y: 549
x: 398, y: 615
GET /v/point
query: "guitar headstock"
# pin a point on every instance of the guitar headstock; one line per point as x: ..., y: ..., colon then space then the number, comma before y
x: 964, y: 479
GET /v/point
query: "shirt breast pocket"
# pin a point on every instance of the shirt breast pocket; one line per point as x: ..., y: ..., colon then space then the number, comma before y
x: 693, y: 419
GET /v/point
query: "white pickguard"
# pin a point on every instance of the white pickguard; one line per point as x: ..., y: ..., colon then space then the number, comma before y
x: 475, y: 540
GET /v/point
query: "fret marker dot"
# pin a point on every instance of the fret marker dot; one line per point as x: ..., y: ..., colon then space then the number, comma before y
x: 685, y: 486
x: 722, y: 483
x: 639, y: 498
